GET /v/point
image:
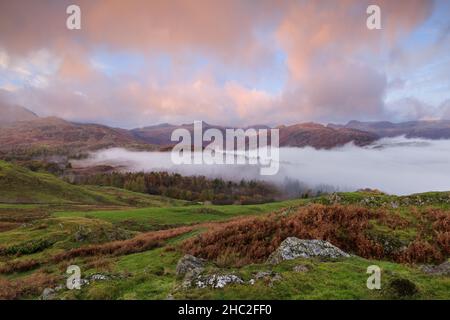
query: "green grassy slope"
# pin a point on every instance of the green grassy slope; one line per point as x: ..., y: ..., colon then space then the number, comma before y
x: 172, y: 215
x: 19, y: 185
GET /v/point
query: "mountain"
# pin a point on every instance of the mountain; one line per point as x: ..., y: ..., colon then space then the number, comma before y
x: 436, y: 129
x: 322, y: 137
x: 299, y: 135
x: 160, y: 134
x: 13, y: 113
x: 54, y: 136
x: 55, y: 139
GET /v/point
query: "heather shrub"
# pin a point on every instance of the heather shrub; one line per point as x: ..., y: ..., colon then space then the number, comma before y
x: 253, y: 239
x: 250, y: 240
x: 25, y: 287
x: 141, y: 242
x: 18, y: 266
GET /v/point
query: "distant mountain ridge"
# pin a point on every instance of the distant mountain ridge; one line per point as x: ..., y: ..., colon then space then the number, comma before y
x: 322, y: 137
x: 55, y: 136
x: 160, y: 134
x: 432, y: 129
x: 24, y: 134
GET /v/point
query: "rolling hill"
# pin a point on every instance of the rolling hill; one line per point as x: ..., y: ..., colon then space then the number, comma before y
x: 299, y: 135
x: 322, y: 137
x: 22, y: 186
x: 55, y: 136
x: 437, y: 129
x: 160, y: 134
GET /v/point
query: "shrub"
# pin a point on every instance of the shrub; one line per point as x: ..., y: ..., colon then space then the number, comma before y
x: 29, y: 247
x: 142, y: 242
x: 25, y: 287
x: 19, y: 266
x: 252, y: 240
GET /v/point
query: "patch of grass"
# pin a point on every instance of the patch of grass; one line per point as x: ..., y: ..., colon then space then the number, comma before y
x: 163, y: 216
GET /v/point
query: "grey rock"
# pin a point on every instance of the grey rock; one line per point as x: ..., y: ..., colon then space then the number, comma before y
x: 190, y: 265
x: 99, y: 277
x: 216, y: 281
x: 268, y: 276
x: 439, y: 270
x: 300, y: 268
x: 48, y: 294
x: 292, y: 248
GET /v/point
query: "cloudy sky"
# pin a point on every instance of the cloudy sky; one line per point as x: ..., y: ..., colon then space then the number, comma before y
x: 234, y: 62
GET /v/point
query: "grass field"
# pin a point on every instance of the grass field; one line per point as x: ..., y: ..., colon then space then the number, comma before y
x: 180, y: 215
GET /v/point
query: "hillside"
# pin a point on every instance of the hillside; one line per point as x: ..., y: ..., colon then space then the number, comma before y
x: 321, y: 137
x: 160, y: 134
x: 54, y: 136
x: 299, y: 135
x: 437, y: 129
x: 22, y: 186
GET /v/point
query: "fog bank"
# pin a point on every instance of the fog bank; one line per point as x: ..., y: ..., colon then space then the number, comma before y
x: 393, y: 165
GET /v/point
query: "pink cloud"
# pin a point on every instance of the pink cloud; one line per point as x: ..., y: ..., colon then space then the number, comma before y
x: 325, y: 43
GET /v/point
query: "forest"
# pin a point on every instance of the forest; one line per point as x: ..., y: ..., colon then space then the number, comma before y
x: 190, y: 188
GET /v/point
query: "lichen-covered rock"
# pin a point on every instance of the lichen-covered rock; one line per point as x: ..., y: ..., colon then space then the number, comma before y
x: 98, y: 277
x: 439, y: 270
x: 269, y: 277
x: 190, y: 264
x: 292, y: 248
x: 300, y: 268
x: 48, y: 294
x: 216, y: 281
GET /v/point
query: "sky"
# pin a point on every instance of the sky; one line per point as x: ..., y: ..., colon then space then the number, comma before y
x: 236, y: 62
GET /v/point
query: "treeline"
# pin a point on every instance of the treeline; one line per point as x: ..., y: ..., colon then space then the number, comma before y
x: 191, y: 188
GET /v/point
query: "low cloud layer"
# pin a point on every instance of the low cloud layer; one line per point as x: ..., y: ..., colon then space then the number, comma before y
x: 393, y: 165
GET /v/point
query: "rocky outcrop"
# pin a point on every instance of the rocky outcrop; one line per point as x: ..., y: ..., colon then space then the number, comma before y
x: 192, y: 267
x: 52, y: 293
x: 292, y: 248
x: 189, y: 264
